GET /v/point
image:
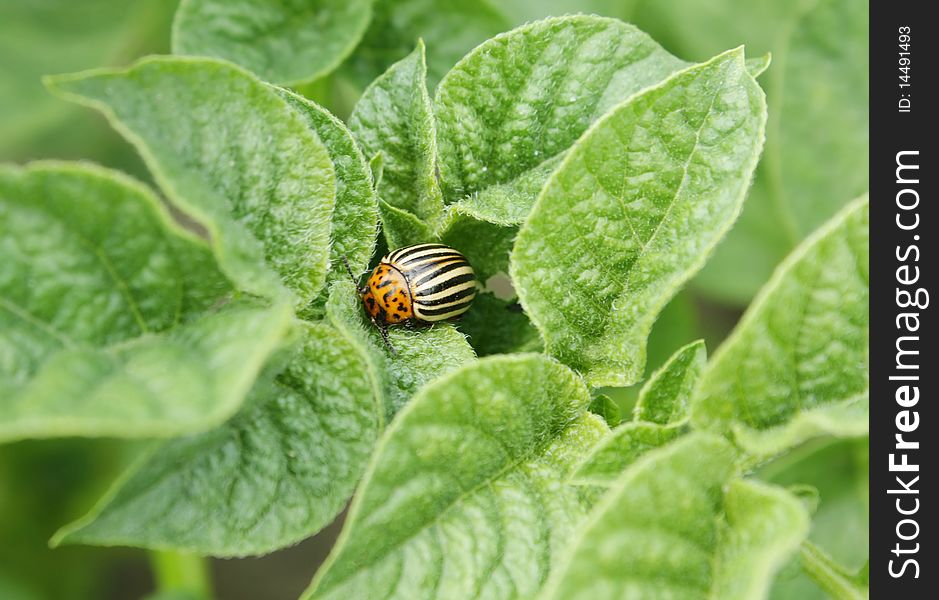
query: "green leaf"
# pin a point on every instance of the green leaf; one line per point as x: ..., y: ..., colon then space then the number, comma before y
x: 756, y: 66
x: 285, y: 41
x: 604, y: 406
x: 665, y: 398
x: 184, y: 380
x: 836, y: 580
x: 105, y: 303
x: 450, y: 28
x: 816, y: 157
x: 643, y: 196
x: 377, y: 166
x: 394, y: 116
x: 484, y: 225
x: 660, y: 416
x: 801, y: 347
x: 355, y: 218
x: 509, y: 203
x: 485, y: 245
x: 402, y: 228
x: 420, y: 355
x: 620, y: 449
x: 807, y: 494
x: 275, y: 474
x: 497, y: 326
x: 516, y: 102
x: 838, y: 469
x: 254, y: 175
x: 667, y: 529
x: 764, y: 527
x: 464, y: 497
x: 756, y: 235
x: 844, y: 418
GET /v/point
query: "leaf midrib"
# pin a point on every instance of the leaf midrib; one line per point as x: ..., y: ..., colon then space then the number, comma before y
x: 524, y: 458
x: 678, y: 190
x: 108, y: 266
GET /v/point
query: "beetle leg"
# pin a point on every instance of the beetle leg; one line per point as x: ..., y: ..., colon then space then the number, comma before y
x: 383, y: 330
x: 355, y: 281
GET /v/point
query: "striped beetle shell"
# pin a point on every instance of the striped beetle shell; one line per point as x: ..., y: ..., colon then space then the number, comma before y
x: 423, y: 283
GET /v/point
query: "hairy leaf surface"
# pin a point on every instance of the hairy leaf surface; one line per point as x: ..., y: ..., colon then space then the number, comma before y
x: 523, y: 97
x: 394, y: 117
x: 402, y: 228
x: 420, y: 354
x: 285, y: 41
x: 106, y: 327
x: 355, y: 217
x: 667, y: 529
x: 464, y: 497
x: 625, y: 444
x: 233, y: 155
x: 275, y: 474
x: 659, y: 416
x: 632, y: 213
x: 802, y: 345
x: 666, y: 397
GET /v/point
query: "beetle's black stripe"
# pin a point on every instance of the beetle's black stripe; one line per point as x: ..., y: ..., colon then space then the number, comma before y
x: 397, y: 255
x: 443, y: 285
x: 449, y: 298
x: 384, y: 283
x: 431, y: 312
x: 446, y: 268
x: 387, y: 295
x: 418, y: 271
x: 433, y: 256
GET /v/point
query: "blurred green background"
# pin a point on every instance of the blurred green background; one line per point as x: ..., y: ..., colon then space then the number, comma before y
x: 815, y: 160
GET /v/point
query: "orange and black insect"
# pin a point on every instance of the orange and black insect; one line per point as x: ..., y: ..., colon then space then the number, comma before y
x: 424, y: 283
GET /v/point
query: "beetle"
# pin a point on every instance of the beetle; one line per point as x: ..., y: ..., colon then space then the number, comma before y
x: 419, y: 284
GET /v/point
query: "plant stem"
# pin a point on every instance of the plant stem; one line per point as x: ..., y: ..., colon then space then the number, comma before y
x: 830, y: 576
x: 181, y: 572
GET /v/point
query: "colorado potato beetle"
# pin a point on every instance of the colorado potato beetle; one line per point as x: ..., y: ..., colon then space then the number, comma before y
x: 424, y: 283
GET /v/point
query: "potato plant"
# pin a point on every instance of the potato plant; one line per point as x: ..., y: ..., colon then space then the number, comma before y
x: 209, y: 309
